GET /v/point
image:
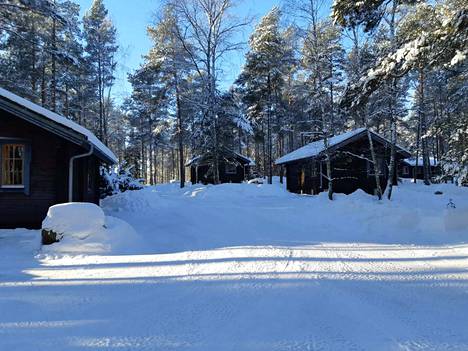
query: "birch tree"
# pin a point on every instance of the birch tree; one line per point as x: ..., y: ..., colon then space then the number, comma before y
x: 207, y: 31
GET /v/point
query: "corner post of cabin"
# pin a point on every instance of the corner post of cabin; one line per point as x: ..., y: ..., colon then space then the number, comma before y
x: 281, y: 174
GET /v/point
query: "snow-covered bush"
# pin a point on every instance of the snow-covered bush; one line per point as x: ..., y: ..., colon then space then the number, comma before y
x: 118, y: 180
x: 77, y: 219
x: 456, y: 171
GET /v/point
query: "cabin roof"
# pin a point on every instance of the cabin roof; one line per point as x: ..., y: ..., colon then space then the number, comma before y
x: 54, y: 122
x: 317, y: 148
x: 226, y: 153
x: 412, y: 161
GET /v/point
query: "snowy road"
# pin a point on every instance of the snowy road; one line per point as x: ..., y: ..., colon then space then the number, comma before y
x: 280, y: 290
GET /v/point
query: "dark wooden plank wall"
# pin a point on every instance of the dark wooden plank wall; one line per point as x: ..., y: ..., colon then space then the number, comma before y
x: 349, y: 172
x: 48, y: 177
x: 238, y: 177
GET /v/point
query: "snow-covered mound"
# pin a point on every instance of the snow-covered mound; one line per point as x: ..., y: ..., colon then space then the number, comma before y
x: 84, y: 228
x: 456, y: 219
x: 199, y: 216
x: 77, y: 220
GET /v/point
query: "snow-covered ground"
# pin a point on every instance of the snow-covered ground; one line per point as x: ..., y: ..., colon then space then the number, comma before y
x: 248, y: 267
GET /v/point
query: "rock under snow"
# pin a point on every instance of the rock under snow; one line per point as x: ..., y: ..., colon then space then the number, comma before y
x: 79, y: 220
x: 83, y: 228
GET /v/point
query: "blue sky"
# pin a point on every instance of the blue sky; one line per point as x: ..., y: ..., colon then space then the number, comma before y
x: 131, y: 19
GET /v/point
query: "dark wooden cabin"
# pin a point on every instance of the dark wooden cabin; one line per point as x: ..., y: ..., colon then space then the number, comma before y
x: 352, y: 167
x: 408, y: 168
x: 37, y: 147
x: 233, y: 168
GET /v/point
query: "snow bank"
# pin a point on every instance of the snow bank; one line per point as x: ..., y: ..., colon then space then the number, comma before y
x: 196, y: 217
x: 456, y: 219
x: 83, y: 228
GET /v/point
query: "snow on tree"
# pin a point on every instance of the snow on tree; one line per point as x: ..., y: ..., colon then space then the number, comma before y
x: 118, y: 179
x: 100, y: 35
x: 263, y: 78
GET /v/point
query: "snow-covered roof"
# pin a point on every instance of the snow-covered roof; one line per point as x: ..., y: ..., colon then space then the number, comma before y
x: 412, y: 161
x: 317, y: 147
x: 251, y: 162
x: 63, y: 121
x: 199, y: 157
x: 192, y: 160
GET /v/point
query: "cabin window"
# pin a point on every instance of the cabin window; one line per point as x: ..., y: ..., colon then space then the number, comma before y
x: 14, y: 166
x: 231, y: 168
x: 405, y: 170
x: 313, y: 169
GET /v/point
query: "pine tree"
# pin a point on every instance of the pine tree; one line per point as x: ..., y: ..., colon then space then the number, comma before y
x: 263, y: 80
x: 168, y: 55
x: 100, y: 49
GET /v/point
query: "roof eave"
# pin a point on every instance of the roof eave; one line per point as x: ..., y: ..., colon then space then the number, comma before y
x: 345, y: 142
x: 51, y: 126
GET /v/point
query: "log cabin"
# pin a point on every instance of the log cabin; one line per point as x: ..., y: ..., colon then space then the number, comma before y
x: 351, y: 162
x: 233, y: 168
x: 45, y: 159
x: 409, y: 169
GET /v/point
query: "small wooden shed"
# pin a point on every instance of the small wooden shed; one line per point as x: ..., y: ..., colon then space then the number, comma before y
x: 351, y: 161
x: 408, y: 168
x: 45, y: 159
x: 233, y: 168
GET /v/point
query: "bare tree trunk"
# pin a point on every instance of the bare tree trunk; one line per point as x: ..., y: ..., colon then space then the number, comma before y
x: 393, y: 117
x: 53, y: 89
x: 180, y: 135
x: 67, y: 100
x: 143, y: 161
x: 376, y: 166
x: 425, y: 150
x: 269, y: 136
x: 43, y: 85
x: 34, y: 63
x: 391, y: 168
x: 329, y: 168
x: 163, y: 178
x: 150, y: 159
x: 264, y: 150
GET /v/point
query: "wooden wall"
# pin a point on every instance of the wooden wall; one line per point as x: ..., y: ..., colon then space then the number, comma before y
x: 48, y: 175
x: 349, y: 171
x: 204, y: 178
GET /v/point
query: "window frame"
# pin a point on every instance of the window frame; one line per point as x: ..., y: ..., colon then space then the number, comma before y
x: 406, y: 170
x: 313, y: 169
x: 25, y: 188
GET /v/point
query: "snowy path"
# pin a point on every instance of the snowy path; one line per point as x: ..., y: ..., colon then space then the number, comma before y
x: 273, y: 286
